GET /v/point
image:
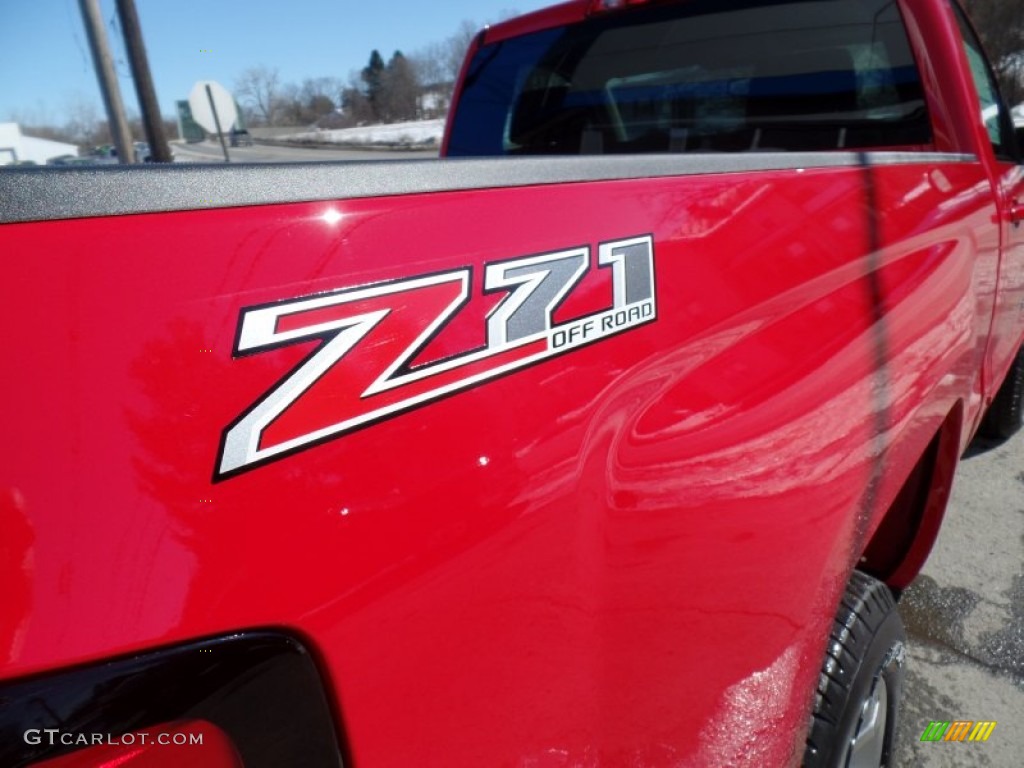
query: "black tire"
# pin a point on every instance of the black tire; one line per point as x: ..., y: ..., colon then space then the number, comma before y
x: 1006, y: 414
x: 862, y: 676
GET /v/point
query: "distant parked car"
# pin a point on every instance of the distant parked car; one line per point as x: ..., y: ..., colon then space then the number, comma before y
x: 105, y: 154
x: 66, y: 160
x: 63, y: 160
x: 240, y: 138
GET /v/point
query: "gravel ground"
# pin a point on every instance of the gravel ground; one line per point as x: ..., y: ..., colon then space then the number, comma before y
x: 965, y: 619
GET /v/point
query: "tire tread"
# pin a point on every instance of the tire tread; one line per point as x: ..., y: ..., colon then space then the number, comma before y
x: 1006, y: 413
x: 865, y: 607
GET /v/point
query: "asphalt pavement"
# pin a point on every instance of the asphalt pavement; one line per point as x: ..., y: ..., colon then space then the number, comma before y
x: 211, y: 152
x: 965, y: 619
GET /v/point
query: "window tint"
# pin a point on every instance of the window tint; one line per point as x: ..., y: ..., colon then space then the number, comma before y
x: 705, y: 75
x: 989, y: 103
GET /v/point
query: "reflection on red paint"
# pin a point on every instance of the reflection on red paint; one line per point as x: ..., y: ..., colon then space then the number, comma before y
x: 17, y: 557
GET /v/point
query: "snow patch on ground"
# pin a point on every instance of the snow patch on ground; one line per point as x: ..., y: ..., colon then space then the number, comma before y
x: 403, y: 134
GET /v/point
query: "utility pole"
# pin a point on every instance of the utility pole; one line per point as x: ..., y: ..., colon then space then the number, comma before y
x: 108, y: 80
x: 151, y: 120
x: 216, y: 121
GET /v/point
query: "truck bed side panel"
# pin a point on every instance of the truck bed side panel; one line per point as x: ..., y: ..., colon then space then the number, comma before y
x: 570, y: 561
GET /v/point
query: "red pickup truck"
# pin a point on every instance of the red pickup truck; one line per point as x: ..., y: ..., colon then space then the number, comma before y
x: 612, y: 454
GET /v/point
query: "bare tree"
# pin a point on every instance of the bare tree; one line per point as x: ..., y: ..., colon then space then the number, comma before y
x: 307, y: 103
x: 439, y: 63
x: 437, y: 67
x: 1000, y: 24
x: 456, y: 47
x: 320, y: 97
x: 355, y: 103
x: 429, y: 64
x: 259, y: 89
x: 83, y: 125
x: 288, y: 108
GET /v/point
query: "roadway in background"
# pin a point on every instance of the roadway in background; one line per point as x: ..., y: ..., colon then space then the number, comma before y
x: 965, y: 620
x: 211, y: 152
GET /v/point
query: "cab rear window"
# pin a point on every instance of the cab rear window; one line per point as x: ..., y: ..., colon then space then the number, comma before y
x: 704, y: 75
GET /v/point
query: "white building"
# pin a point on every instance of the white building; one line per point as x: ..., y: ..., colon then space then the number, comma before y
x: 15, y: 147
x: 434, y: 101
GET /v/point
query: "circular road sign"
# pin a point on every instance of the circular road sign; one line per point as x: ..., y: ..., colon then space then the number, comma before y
x: 222, y: 100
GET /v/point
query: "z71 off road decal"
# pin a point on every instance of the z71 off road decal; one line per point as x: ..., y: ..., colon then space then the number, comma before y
x: 361, y: 371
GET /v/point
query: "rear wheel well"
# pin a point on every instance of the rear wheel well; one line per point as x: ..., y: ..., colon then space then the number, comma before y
x: 904, y: 538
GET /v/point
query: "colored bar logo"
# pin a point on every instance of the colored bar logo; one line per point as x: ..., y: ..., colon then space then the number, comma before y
x: 958, y: 730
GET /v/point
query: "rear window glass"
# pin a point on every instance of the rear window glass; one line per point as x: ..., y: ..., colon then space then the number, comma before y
x: 706, y: 75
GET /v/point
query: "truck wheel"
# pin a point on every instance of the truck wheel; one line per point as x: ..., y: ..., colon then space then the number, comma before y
x: 1006, y: 414
x: 855, y: 707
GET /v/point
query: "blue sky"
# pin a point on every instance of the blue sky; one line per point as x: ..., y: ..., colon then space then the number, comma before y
x: 47, y: 68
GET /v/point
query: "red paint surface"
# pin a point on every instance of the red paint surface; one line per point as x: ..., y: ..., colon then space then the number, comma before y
x: 628, y: 554
x: 612, y: 553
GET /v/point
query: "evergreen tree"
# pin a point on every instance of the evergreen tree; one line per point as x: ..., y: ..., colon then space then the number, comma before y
x: 373, y: 76
x: 400, y: 90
